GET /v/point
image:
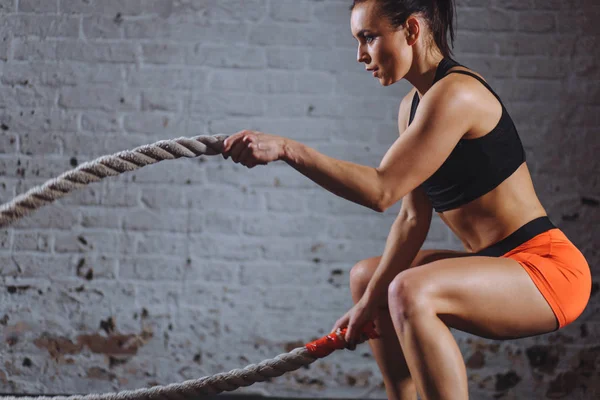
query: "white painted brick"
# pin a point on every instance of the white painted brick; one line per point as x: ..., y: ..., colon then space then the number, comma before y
x: 97, y: 218
x: 284, y: 201
x: 164, y: 53
x: 120, y: 195
x: 222, y: 198
x: 216, y: 246
x: 98, y: 98
x: 336, y: 13
x: 7, y: 189
x: 31, y: 241
x: 374, y: 227
x: 43, y: 119
x: 227, y: 56
x: 221, y: 222
x: 30, y: 265
x: 49, y: 6
x: 289, y: 35
x: 29, y: 97
x: 290, y: 10
x: 35, y: 144
x: 163, y: 243
x: 301, y: 106
x: 162, y: 197
x: 29, y: 49
x: 285, y: 58
x: 537, y: 22
x: 156, y: 123
x: 154, y: 268
x: 283, y: 226
x: 513, y: 4
x: 8, y: 143
x: 314, y: 82
x: 186, y: 31
x: 42, y: 26
x: 541, y: 68
x: 478, y: 19
x: 155, y: 100
x: 219, y: 104
x: 113, y: 7
x: 142, y: 220
x: 212, y: 271
x: 536, y: 45
x: 86, y: 241
x: 89, y: 51
x: 238, y: 80
x: 4, y: 49
x: 164, y: 78
x: 227, y: 10
x: 95, y: 121
x: 335, y: 61
x: 100, y: 27
x: 7, y: 6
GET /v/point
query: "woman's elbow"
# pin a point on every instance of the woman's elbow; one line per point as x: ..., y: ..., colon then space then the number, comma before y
x: 383, y: 202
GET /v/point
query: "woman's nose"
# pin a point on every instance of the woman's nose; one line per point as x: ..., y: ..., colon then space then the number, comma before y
x: 361, y: 55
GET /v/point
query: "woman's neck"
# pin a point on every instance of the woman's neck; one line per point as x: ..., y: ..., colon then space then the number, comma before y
x: 422, y: 71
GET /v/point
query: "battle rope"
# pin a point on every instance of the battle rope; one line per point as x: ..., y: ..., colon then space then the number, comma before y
x: 233, y: 379
x: 131, y: 160
x: 100, y: 168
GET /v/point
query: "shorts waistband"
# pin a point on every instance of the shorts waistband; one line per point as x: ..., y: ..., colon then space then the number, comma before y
x: 518, y: 237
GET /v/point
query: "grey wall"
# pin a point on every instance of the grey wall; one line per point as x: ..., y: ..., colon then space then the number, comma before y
x: 193, y: 267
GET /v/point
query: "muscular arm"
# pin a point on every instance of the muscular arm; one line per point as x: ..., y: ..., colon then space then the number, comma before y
x: 440, y: 121
x: 407, y: 234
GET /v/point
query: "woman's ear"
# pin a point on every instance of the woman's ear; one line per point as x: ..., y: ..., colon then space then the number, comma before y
x: 412, y: 27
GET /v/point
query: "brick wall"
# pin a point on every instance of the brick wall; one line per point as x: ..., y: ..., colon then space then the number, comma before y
x: 200, y: 266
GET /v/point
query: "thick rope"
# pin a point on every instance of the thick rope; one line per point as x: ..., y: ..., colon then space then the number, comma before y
x: 100, y: 168
x: 131, y: 160
x: 233, y: 379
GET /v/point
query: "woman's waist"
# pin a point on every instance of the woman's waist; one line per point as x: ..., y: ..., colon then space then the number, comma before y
x: 520, y: 237
x: 480, y: 230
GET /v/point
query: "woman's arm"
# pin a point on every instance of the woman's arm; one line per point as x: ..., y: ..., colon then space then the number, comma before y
x: 441, y: 120
x: 357, y: 183
x: 407, y: 235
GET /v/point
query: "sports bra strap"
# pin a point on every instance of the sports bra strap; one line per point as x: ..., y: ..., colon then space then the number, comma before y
x: 416, y: 100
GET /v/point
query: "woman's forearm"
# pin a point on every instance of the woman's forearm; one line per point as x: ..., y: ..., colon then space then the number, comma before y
x: 403, y: 243
x: 358, y: 183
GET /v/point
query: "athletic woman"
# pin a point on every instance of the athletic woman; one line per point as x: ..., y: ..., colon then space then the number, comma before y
x: 458, y: 153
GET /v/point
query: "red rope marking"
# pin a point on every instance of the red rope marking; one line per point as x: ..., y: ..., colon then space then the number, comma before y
x: 335, y: 341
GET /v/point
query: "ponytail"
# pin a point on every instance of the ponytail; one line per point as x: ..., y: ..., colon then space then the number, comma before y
x: 442, y: 25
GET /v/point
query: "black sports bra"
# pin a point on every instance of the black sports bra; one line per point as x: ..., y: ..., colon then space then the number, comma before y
x: 475, y: 166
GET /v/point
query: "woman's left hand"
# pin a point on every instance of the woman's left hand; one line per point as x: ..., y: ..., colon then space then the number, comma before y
x: 252, y: 148
x: 355, y: 319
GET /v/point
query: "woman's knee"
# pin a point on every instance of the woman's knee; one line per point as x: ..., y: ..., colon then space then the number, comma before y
x: 409, y: 295
x: 361, y: 274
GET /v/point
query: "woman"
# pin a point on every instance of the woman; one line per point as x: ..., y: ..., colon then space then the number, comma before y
x: 458, y: 153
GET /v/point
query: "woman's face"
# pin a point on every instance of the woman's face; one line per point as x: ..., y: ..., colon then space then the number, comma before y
x: 383, y: 49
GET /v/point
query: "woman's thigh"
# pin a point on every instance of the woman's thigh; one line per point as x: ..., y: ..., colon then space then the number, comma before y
x: 486, y: 296
x: 368, y: 266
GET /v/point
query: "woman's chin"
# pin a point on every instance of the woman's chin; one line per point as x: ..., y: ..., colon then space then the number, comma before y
x: 386, y: 81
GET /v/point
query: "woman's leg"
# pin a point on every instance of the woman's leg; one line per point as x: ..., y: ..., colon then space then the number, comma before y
x: 489, y: 297
x: 386, y: 350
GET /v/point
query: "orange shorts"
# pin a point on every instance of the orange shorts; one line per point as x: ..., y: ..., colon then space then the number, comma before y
x: 556, y: 266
